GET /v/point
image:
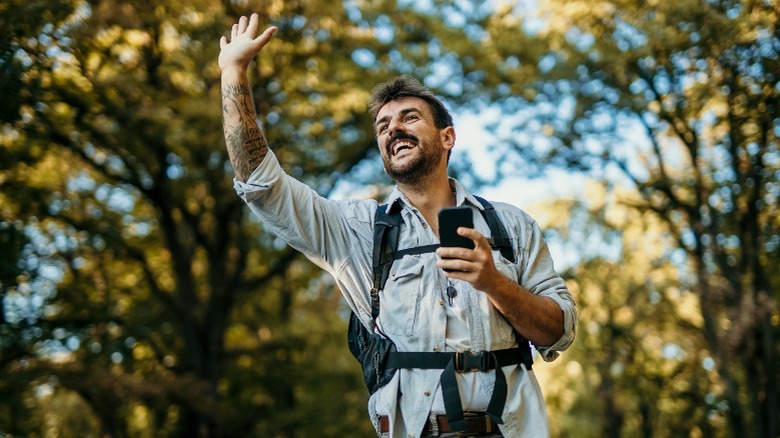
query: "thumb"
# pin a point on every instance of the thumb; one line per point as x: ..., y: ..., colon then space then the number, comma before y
x: 265, y: 37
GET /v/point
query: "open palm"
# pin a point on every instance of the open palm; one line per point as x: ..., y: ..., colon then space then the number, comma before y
x: 243, y: 44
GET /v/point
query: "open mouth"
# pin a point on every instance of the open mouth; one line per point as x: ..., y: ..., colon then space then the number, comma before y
x: 400, y: 144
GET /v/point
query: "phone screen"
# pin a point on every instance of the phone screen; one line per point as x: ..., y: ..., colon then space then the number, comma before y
x: 450, y: 219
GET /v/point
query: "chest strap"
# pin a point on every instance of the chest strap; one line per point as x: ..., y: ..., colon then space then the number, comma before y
x: 452, y: 362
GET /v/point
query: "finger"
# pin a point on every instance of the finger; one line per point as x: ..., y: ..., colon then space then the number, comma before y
x: 222, y: 42
x: 266, y: 36
x: 254, y: 23
x: 457, y: 275
x: 474, y: 235
x: 454, y: 252
x: 453, y: 265
x: 460, y: 269
x: 242, y: 23
x: 233, y: 32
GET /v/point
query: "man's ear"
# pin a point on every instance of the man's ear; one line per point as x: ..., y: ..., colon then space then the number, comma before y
x: 448, y: 137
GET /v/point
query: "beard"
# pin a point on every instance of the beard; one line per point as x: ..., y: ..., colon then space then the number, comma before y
x: 417, y: 168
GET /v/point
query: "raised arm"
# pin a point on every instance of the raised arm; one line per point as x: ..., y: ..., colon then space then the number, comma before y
x: 245, y: 140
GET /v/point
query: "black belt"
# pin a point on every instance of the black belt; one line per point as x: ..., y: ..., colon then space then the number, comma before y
x: 464, y: 362
x: 475, y: 423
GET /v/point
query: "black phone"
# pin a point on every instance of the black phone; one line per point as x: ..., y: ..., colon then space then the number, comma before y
x: 450, y: 219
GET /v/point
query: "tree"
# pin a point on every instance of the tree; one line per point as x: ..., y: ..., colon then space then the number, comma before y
x: 639, y: 366
x: 679, y: 99
x: 173, y: 312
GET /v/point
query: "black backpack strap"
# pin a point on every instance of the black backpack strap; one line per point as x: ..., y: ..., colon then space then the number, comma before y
x: 397, y: 255
x: 453, y: 363
x: 387, y: 232
x: 370, y: 349
x: 387, y: 229
x: 502, y: 241
x: 378, y: 356
x: 499, y: 236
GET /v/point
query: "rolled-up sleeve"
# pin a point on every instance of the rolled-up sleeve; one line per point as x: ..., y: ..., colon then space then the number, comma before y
x: 294, y: 212
x: 335, y: 235
x: 261, y: 180
x: 538, y: 275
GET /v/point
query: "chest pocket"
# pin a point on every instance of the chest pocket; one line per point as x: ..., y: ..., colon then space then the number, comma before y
x: 400, y: 299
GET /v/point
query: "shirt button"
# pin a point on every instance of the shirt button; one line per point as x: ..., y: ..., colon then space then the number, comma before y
x: 427, y: 393
x: 435, y: 348
x: 441, y: 302
x: 425, y: 225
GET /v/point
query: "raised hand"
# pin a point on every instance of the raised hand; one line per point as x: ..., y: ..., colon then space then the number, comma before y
x: 244, y: 43
x: 244, y: 138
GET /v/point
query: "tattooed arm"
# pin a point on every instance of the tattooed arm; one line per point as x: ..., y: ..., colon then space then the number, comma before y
x: 245, y: 141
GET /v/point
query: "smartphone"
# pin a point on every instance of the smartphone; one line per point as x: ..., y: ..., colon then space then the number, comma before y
x: 450, y: 219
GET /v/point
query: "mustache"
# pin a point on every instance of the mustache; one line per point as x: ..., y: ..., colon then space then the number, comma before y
x: 397, y: 137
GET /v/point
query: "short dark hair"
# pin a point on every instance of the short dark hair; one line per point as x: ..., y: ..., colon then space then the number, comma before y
x: 407, y: 86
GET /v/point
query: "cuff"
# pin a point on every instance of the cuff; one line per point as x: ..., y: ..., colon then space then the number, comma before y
x: 261, y: 179
x: 550, y: 353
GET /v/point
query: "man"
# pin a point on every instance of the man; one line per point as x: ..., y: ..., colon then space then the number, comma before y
x: 453, y: 300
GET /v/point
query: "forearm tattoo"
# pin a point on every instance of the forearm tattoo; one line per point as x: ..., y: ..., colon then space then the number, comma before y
x: 245, y: 140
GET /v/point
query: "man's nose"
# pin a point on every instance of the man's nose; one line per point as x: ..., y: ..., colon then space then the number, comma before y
x: 394, y: 127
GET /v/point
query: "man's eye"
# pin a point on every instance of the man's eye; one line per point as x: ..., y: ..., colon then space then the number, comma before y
x: 411, y: 118
x: 382, y: 128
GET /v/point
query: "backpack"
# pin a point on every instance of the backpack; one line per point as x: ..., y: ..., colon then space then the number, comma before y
x: 377, y: 354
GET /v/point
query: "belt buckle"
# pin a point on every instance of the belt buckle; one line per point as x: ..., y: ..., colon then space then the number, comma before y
x: 470, y: 361
x: 480, y: 423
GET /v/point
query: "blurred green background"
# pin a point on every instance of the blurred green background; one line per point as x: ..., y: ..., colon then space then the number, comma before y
x: 140, y: 299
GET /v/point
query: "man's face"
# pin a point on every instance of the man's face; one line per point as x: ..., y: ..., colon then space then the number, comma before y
x: 409, y: 143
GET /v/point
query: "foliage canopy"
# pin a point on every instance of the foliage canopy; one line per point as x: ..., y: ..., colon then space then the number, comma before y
x: 134, y: 283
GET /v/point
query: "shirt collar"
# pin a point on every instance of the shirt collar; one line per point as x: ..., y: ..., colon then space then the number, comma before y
x: 462, y: 196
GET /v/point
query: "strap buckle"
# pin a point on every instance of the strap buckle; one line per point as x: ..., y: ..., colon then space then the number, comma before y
x: 471, y: 361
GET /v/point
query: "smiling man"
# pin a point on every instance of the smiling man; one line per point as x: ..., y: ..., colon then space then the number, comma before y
x: 459, y: 319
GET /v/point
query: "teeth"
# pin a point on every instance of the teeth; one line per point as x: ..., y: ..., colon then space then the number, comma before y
x: 400, y: 145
